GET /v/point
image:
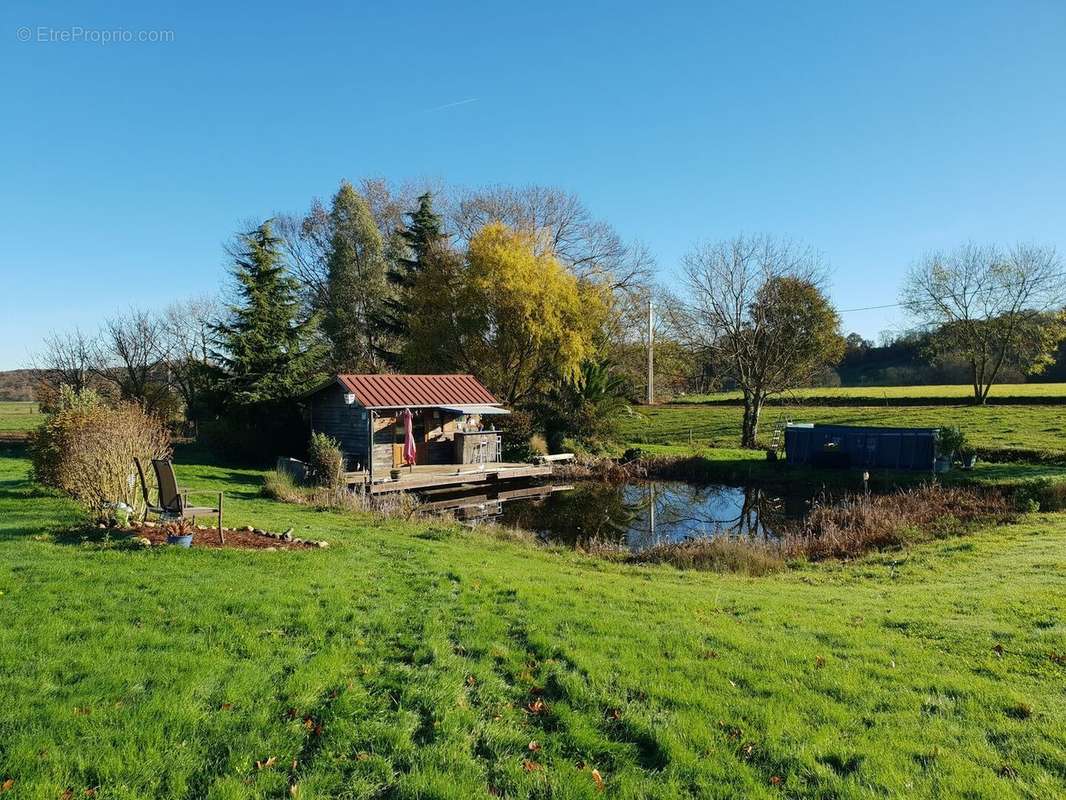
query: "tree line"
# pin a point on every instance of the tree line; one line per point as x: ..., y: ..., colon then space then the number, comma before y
x: 546, y: 304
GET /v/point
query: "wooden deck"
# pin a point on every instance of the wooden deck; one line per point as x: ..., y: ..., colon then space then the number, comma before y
x: 432, y: 476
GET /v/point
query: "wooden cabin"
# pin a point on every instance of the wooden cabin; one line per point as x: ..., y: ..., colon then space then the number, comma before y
x: 452, y: 419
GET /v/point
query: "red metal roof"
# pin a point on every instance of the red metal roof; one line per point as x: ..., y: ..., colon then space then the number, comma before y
x: 400, y: 391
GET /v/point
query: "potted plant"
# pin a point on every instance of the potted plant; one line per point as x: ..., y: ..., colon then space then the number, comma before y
x: 950, y: 441
x: 179, y: 532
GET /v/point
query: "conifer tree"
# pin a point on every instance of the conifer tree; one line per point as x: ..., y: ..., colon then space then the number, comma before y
x: 357, y: 285
x: 416, y: 245
x: 268, y: 354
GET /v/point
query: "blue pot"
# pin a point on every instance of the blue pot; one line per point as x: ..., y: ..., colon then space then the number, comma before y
x: 180, y: 541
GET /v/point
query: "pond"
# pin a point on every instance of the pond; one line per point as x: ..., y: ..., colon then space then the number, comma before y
x: 638, y: 515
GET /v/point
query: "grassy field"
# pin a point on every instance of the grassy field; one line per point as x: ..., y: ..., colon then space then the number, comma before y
x: 412, y: 660
x: 1051, y: 392
x: 18, y: 416
x: 1038, y: 429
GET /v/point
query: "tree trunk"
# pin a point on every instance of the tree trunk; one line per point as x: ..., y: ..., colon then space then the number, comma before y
x: 749, y: 433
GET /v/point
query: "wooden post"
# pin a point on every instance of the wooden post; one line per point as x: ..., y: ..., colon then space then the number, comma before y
x: 221, y: 535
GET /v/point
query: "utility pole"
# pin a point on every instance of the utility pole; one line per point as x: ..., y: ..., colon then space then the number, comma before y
x: 651, y: 354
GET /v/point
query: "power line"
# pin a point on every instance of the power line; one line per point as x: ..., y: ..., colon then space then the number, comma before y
x: 975, y: 293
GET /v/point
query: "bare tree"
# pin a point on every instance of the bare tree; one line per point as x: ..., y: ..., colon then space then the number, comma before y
x: 187, y: 328
x: 755, y: 306
x: 67, y: 360
x: 307, y: 237
x: 131, y: 353
x: 588, y: 247
x: 991, y: 307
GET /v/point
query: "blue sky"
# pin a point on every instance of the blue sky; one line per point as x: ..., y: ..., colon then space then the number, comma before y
x: 871, y: 131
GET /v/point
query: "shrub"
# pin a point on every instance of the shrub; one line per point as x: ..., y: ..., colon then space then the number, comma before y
x: 325, y: 461
x: 952, y: 441
x: 517, y: 431
x: 1040, y: 494
x: 86, y: 449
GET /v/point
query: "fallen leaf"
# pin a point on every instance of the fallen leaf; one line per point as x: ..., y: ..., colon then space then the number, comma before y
x: 267, y: 763
x: 68, y: 794
x: 998, y: 650
x: 530, y: 766
x: 90, y: 792
x: 536, y: 707
x: 226, y: 706
x: 1007, y: 771
x: 597, y: 779
x: 309, y: 723
x: 362, y: 756
x: 470, y: 680
x: 534, y: 746
x: 775, y: 780
x: 819, y: 661
x: 614, y: 713
x: 294, y: 763
x: 294, y: 790
x: 6, y: 785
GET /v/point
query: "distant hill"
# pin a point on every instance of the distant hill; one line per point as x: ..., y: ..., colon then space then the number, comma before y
x: 16, y: 384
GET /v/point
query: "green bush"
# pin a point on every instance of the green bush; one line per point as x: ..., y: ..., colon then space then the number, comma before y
x: 517, y: 431
x: 325, y: 461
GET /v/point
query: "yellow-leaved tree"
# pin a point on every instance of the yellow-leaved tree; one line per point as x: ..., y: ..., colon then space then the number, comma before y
x: 516, y: 319
x: 534, y: 322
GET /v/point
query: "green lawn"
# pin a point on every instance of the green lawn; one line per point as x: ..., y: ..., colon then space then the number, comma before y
x: 402, y: 662
x: 18, y: 416
x: 1040, y: 430
x: 1049, y: 391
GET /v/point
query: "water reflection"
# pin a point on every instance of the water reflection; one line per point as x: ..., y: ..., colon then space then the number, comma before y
x: 638, y: 515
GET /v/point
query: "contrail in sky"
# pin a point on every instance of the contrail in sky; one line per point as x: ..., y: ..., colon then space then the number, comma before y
x: 452, y: 105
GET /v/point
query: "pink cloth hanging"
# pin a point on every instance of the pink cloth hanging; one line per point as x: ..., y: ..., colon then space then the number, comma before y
x: 410, y: 453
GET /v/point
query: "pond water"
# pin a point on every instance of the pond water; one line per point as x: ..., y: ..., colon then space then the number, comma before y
x: 639, y: 514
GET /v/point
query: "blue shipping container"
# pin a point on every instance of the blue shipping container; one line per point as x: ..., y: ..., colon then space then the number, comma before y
x: 848, y: 445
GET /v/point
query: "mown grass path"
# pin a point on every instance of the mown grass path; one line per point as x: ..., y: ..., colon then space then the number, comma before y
x: 419, y: 660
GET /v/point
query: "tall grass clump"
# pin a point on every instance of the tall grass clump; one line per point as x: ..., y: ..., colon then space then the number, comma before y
x: 280, y: 485
x: 858, y: 524
x: 717, y: 554
x: 86, y: 448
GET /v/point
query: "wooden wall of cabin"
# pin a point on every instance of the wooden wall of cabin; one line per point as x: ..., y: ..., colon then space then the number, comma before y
x: 345, y: 423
